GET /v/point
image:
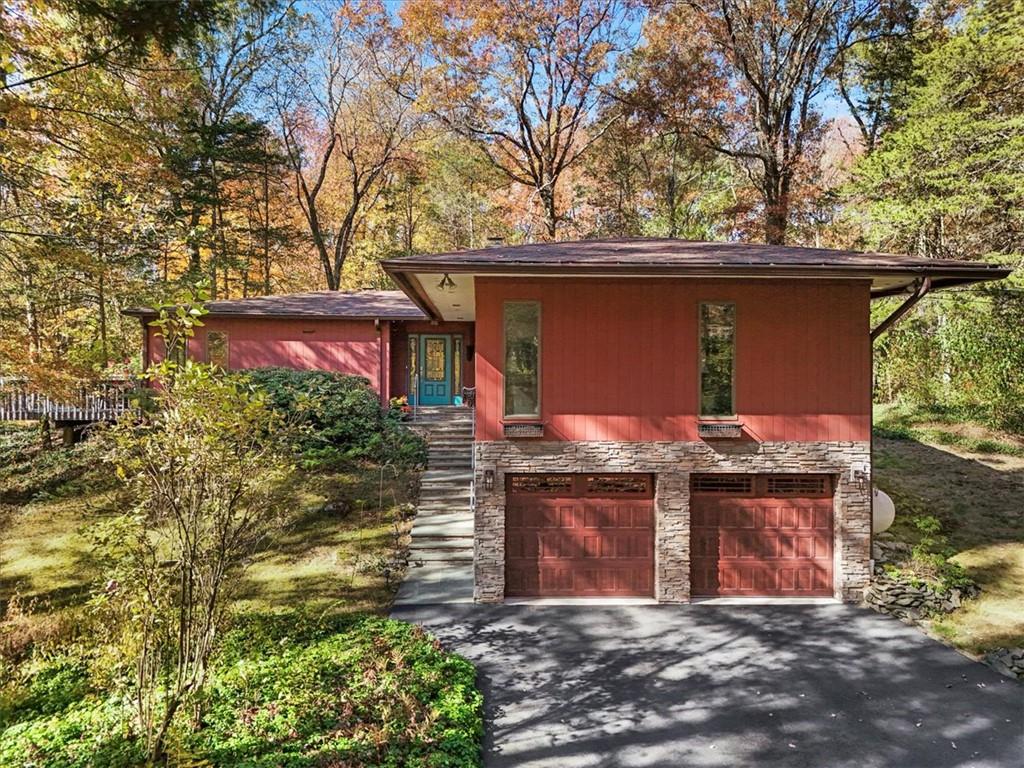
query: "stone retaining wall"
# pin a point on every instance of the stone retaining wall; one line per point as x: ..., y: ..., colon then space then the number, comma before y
x: 672, y: 463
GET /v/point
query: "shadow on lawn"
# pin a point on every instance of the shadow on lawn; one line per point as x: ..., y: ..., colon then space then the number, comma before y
x: 977, y: 503
x: 725, y: 685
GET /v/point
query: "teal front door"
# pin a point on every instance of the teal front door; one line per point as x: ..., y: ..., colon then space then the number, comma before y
x: 435, y: 370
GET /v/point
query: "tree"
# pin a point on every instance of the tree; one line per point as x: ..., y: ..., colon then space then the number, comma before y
x: 776, y: 56
x: 874, y: 76
x: 102, y: 29
x: 344, y: 116
x: 521, y: 79
x: 949, y: 182
x: 203, y: 473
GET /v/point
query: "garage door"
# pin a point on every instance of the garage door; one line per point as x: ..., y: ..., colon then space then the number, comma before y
x: 761, y: 535
x: 579, y: 535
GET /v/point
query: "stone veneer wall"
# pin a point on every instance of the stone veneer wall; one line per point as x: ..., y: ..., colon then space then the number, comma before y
x: 672, y: 463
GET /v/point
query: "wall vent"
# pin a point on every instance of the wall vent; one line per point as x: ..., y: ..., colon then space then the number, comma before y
x: 713, y: 430
x: 523, y: 430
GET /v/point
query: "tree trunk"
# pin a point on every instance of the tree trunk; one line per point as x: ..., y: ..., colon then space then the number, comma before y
x: 547, y: 198
x: 670, y: 192
x: 102, y: 296
x: 776, y: 206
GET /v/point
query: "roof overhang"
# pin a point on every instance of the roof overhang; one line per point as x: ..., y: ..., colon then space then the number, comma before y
x: 421, y: 280
x: 148, y: 313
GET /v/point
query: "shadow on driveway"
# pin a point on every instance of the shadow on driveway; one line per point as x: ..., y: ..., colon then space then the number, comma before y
x: 701, y: 685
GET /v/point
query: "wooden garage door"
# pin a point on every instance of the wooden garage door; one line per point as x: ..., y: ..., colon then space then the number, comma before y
x: 761, y: 535
x: 579, y: 535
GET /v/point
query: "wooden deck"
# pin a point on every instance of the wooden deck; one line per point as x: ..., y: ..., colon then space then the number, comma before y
x: 104, y: 401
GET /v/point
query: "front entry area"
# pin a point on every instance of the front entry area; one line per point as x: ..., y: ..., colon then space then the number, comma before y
x: 754, y: 535
x: 435, y: 369
x: 579, y: 535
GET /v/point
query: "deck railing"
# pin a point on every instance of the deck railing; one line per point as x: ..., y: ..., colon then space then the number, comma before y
x: 102, y: 401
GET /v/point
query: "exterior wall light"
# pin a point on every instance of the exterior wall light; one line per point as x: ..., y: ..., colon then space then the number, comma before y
x: 446, y: 284
x: 488, y: 479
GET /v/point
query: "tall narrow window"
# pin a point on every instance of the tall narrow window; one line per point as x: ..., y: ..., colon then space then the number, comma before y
x: 457, y: 364
x: 522, y: 359
x: 717, y: 359
x: 414, y: 371
x: 217, y: 349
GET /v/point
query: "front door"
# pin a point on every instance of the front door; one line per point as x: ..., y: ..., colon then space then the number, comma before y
x: 435, y: 384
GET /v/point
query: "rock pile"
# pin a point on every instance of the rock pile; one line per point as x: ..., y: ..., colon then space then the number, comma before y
x: 1007, y: 661
x: 906, y: 600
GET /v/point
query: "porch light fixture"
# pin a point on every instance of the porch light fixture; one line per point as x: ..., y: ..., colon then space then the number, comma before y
x: 446, y: 284
x: 488, y: 479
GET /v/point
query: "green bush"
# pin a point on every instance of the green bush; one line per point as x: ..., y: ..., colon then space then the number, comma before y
x: 49, y: 687
x: 286, y: 689
x: 964, y: 354
x: 341, y: 418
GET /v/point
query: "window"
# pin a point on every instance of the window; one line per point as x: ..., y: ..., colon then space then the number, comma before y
x: 457, y: 364
x: 434, y: 362
x: 717, y: 356
x: 522, y: 359
x: 217, y: 349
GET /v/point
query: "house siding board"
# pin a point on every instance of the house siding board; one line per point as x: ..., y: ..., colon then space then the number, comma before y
x: 619, y: 359
x: 346, y: 346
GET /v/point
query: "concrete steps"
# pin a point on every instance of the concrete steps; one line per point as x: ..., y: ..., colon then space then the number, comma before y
x: 441, y: 553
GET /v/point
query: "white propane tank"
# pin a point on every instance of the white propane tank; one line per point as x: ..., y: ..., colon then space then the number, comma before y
x: 883, y: 511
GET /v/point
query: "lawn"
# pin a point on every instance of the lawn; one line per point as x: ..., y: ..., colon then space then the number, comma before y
x: 972, y: 479
x: 337, y: 554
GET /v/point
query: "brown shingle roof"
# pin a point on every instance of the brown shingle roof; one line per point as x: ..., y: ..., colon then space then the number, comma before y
x: 667, y: 252
x: 386, y: 305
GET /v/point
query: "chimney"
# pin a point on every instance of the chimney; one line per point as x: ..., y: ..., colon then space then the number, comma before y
x: 495, y: 242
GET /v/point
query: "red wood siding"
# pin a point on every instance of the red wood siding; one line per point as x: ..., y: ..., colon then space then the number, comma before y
x: 347, y: 346
x: 619, y: 358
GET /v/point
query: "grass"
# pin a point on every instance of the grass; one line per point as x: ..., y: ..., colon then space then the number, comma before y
x: 900, y: 421
x: 333, y: 556
x: 972, y: 480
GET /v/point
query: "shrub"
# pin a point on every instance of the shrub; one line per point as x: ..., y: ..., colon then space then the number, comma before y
x: 48, y: 687
x: 341, y: 417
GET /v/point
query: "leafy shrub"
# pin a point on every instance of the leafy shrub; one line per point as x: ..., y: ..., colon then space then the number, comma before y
x: 341, y: 417
x: 930, y: 557
x: 48, y: 689
x: 28, y: 472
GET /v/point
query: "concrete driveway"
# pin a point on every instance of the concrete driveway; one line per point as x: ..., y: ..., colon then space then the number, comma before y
x: 714, y: 685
